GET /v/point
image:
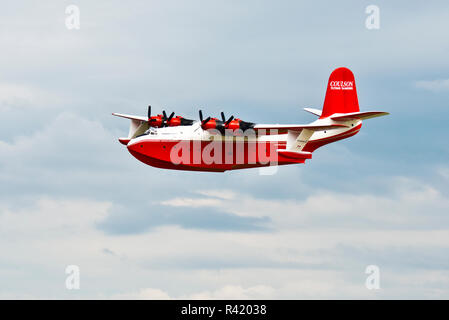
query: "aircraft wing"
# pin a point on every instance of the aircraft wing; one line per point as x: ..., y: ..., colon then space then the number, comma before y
x: 138, y: 126
x: 127, y: 116
x: 282, y: 128
x: 358, y: 115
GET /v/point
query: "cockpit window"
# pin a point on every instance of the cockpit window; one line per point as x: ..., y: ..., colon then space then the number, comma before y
x: 152, y: 130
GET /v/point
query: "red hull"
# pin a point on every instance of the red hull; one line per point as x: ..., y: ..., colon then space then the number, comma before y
x: 159, y: 153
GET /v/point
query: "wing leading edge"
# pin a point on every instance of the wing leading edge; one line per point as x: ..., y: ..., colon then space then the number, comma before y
x: 127, y: 116
x: 294, y: 127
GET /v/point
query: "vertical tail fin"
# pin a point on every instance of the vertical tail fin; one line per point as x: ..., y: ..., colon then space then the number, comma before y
x: 341, y: 94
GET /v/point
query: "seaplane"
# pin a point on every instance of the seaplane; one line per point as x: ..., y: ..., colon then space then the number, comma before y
x: 218, y: 145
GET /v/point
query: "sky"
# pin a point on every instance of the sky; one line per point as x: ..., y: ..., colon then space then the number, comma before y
x: 71, y: 194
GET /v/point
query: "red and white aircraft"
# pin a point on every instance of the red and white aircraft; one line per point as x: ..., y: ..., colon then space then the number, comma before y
x: 211, y: 144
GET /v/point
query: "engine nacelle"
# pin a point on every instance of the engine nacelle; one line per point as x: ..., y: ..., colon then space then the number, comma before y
x: 156, y: 121
x: 236, y: 124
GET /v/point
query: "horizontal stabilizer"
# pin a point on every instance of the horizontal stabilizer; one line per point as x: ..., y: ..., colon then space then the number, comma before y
x: 358, y: 115
x: 314, y: 111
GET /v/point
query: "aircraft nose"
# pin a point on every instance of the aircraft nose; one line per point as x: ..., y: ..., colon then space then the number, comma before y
x: 123, y: 141
x: 135, y: 147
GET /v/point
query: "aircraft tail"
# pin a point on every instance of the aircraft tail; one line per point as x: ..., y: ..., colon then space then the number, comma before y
x: 341, y: 94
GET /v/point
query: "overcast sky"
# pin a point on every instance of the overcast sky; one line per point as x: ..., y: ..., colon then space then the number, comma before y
x: 70, y: 194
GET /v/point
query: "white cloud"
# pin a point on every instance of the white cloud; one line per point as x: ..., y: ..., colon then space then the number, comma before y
x: 443, y: 172
x: 214, y: 198
x: 323, y: 230
x: 310, y: 284
x: 51, y: 218
x: 433, y: 85
x: 230, y: 292
x: 221, y: 194
x: 224, y: 293
x: 64, y: 144
x: 14, y: 97
x: 326, y: 242
x: 143, y: 294
x: 406, y: 206
x: 319, y: 243
x: 192, y: 202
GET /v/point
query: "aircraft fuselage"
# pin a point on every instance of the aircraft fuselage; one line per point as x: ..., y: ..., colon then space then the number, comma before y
x: 192, y: 148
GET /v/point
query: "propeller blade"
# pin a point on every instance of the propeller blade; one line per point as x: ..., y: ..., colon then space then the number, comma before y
x: 206, y: 120
x: 229, y: 120
x: 165, y: 115
x: 149, y: 112
x: 170, y: 117
x: 201, y: 115
x: 223, y: 117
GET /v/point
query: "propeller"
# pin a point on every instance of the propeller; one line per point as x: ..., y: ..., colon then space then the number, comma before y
x: 170, y: 116
x: 162, y: 120
x: 165, y: 119
x: 203, y: 122
x: 206, y: 120
x: 149, y: 115
x: 226, y: 122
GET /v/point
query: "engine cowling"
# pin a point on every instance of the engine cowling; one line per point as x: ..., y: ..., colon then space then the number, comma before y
x: 160, y: 121
x: 233, y: 125
x: 156, y: 121
x: 209, y: 124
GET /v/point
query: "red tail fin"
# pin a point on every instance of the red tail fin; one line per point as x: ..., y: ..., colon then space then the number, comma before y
x: 341, y: 94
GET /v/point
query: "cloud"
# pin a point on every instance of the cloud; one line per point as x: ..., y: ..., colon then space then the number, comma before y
x: 443, y: 172
x: 48, y: 146
x: 192, y: 202
x: 51, y: 217
x: 220, y: 194
x: 138, y: 219
x: 315, y: 284
x: 228, y: 292
x: 71, y: 194
x: 16, y: 96
x: 437, y: 85
x: 304, y: 257
x: 405, y: 206
x: 63, y: 157
x: 143, y: 294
